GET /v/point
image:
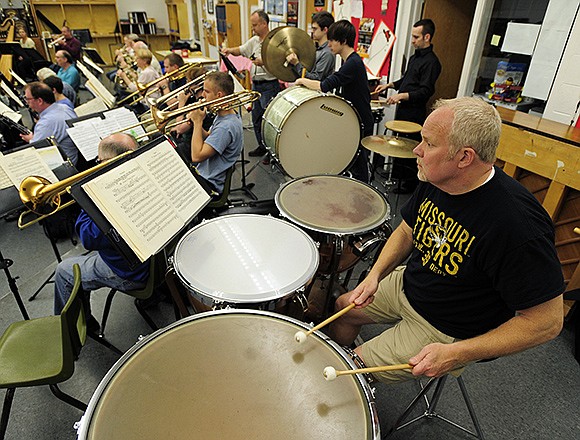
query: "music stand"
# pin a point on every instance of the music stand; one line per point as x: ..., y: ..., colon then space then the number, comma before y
x: 94, y: 56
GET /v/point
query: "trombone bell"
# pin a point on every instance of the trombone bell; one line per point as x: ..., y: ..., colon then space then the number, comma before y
x: 36, y: 199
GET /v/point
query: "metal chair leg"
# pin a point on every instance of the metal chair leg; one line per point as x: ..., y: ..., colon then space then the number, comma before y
x: 67, y: 398
x: 431, y: 405
x: 6, y: 411
x: 106, y: 311
x: 145, y: 315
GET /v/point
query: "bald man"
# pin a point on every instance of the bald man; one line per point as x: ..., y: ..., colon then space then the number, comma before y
x: 104, y: 266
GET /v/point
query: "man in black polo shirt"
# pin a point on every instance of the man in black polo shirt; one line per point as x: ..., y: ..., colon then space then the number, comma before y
x: 415, y: 88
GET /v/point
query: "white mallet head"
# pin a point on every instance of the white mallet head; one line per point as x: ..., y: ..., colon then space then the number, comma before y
x: 300, y: 337
x: 329, y: 373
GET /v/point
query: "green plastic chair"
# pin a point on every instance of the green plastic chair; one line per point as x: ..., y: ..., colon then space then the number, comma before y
x: 43, y: 351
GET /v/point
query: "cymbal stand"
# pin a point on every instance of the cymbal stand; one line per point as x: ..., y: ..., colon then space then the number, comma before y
x: 4, y: 265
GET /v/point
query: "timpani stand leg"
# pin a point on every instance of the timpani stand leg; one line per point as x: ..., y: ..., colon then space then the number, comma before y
x: 333, y: 278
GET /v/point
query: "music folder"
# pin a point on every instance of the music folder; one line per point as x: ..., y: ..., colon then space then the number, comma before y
x: 143, y: 200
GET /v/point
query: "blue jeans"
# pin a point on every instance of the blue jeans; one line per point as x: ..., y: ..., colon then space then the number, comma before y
x: 94, y: 274
x: 268, y: 91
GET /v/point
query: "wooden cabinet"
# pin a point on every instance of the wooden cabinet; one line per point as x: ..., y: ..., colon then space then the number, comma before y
x: 178, y: 19
x: 228, y: 24
x: 99, y: 16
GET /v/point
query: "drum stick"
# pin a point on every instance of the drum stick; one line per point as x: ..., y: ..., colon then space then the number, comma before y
x: 577, y: 230
x: 300, y: 336
x: 303, y: 72
x: 330, y: 373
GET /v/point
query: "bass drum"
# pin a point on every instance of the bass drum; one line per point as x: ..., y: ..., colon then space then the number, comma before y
x: 311, y: 132
x: 231, y: 374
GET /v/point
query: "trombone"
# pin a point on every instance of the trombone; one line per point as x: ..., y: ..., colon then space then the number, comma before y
x: 44, y: 198
x: 141, y: 88
x: 56, y: 41
x: 189, y: 87
x: 161, y: 118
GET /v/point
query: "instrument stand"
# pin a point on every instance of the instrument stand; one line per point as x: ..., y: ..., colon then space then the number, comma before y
x: 246, y: 187
x: 4, y: 265
x: 58, y: 259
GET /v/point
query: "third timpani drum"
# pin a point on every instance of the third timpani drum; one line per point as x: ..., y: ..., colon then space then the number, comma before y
x: 335, y: 206
x: 235, y: 375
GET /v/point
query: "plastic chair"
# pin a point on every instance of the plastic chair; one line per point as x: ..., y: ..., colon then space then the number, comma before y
x: 155, y: 278
x: 431, y: 406
x: 43, y: 351
x: 223, y: 199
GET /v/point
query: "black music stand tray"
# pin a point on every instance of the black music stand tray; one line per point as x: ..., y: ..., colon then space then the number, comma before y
x: 95, y: 57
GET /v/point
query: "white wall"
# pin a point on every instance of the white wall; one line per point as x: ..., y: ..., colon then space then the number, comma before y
x: 154, y: 9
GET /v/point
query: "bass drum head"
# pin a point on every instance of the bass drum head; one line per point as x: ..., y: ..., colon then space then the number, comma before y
x: 332, y: 204
x: 231, y: 375
x: 245, y: 259
x: 317, y: 135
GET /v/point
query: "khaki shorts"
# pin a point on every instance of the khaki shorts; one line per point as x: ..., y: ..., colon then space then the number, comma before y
x: 408, y: 335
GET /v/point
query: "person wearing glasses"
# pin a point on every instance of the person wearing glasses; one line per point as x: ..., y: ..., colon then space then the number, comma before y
x: 52, y: 119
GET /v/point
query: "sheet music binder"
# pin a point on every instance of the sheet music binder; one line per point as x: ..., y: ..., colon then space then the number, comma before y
x: 85, y: 202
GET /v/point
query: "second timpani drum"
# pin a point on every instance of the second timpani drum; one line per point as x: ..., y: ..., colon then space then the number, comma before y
x: 245, y: 260
x: 231, y: 374
x: 335, y: 207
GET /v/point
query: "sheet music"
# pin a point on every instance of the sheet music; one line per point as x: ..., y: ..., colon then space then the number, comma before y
x: 99, y: 90
x: 51, y: 156
x: 145, y: 208
x: 24, y: 163
x: 9, y: 113
x: 106, y: 126
x: 95, y: 105
x: 86, y: 138
x: 5, y: 181
x: 124, y: 118
x: 17, y: 78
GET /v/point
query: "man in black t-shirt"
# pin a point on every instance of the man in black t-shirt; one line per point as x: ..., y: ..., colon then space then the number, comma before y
x: 482, y: 278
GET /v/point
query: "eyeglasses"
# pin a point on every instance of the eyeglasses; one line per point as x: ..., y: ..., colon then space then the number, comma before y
x: 29, y: 99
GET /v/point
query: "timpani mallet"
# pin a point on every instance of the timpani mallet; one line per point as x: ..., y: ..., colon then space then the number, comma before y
x: 330, y: 373
x: 300, y: 336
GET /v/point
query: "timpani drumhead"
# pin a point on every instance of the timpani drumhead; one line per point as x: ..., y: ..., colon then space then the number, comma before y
x: 245, y: 258
x: 332, y: 204
x: 232, y: 374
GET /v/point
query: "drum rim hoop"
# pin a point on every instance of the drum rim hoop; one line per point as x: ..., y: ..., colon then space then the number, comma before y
x: 85, y: 423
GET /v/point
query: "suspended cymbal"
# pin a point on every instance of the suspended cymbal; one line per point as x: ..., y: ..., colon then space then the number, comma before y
x: 390, y: 146
x: 280, y: 43
x: 403, y: 126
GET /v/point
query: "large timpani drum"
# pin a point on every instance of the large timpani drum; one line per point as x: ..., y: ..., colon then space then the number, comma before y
x: 231, y: 374
x: 245, y: 260
x: 311, y: 132
x: 335, y: 207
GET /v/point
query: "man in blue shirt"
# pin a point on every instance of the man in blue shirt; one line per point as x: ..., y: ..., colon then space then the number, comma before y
x: 52, y: 120
x: 217, y: 150
x: 67, y: 70
x: 104, y: 267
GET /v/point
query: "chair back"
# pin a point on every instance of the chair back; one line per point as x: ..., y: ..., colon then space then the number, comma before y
x: 73, y: 321
x: 223, y: 199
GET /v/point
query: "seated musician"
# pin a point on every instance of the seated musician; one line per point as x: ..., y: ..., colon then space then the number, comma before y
x: 126, y: 52
x: 352, y: 80
x: 483, y: 278
x: 71, y: 44
x: 52, y: 119
x: 140, y: 44
x: 104, y: 266
x: 67, y: 89
x: 56, y: 84
x: 217, y: 150
x: 172, y: 63
x: 24, y: 40
x: 147, y: 74
x: 67, y: 70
